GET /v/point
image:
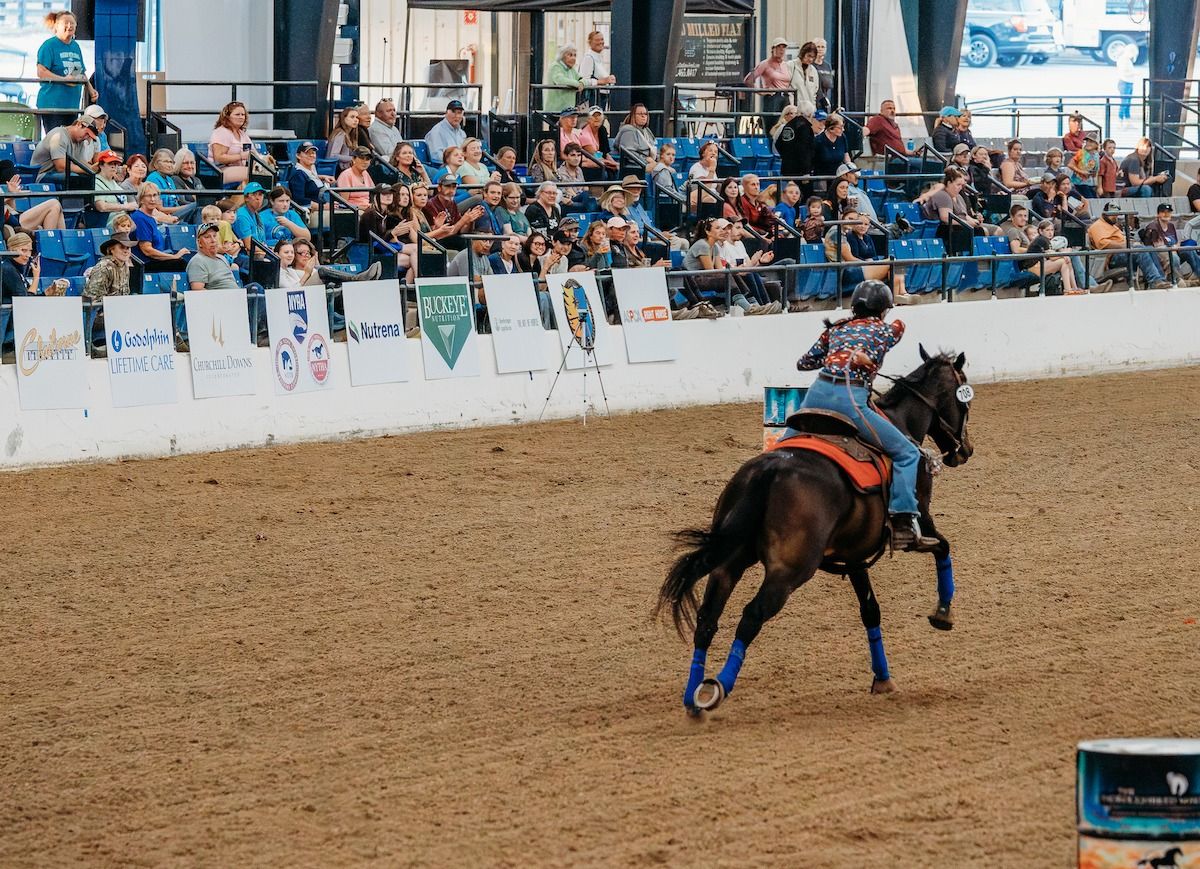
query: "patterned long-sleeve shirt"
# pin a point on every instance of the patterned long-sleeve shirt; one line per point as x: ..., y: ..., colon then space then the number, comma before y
x: 853, y: 348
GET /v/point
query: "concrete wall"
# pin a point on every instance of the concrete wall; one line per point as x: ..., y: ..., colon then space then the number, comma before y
x: 728, y: 360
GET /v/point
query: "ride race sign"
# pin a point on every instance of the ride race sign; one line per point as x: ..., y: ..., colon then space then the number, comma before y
x: 449, y: 345
x: 298, y: 323
x: 645, y: 315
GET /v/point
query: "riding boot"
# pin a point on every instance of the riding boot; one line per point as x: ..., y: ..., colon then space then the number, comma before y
x: 906, y: 534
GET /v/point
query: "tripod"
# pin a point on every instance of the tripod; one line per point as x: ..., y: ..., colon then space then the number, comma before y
x: 589, y: 353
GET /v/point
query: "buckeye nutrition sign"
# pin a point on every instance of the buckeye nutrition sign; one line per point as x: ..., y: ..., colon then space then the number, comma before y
x: 449, y: 345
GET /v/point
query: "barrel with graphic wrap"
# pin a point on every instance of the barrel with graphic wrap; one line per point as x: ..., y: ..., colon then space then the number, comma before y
x: 1138, y: 803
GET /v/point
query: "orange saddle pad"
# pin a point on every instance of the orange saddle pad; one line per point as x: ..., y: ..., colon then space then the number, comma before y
x: 864, y: 474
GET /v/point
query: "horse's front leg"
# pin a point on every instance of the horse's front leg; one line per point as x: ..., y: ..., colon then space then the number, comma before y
x: 868, y: 608
x: 941, y: 617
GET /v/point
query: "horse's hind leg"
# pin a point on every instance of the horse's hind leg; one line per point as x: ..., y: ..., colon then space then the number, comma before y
x: 941, y: 618
x: 716, y: 594
x: 868, y: 608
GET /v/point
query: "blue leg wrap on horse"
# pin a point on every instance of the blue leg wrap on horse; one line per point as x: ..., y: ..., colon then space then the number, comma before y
x: 695, y: 676
x: 733, y: 665
x: 945, y: 570
x: 878, y: 658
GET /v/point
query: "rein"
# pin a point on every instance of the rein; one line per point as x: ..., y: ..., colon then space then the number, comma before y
x: 956, y: 437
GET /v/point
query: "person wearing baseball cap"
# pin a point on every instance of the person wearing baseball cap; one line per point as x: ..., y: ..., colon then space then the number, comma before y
x: 209, y: 269
x: 110, y: 276
x: 775, y: 74
x: 108, y: 165
x: 447, y: 133
x: 247, y: 221
x: 77, y: 140
x: 100, y: 121
x: 1109, y: 233
x: 945, y: 130
x: 1163, y: 233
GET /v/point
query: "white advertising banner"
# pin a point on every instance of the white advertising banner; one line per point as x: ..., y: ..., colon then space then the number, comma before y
x: 141, y: 350
x: 645, y: 315
x: 48, y: 332
x: 222, y: 357
x: 298, y: 323
x: 375, y: 332
x: 582, y: 329
x: 517, y: 332
x: 449, y: 345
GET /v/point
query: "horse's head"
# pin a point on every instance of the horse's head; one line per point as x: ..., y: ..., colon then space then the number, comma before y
x: 944, y: 383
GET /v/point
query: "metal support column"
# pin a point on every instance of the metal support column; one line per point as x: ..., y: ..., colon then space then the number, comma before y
x: 646, y: 36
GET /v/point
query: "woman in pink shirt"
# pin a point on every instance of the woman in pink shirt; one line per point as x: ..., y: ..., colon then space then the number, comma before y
x: 773, y: 73
x: 229, y: 145
x: 356, y: 176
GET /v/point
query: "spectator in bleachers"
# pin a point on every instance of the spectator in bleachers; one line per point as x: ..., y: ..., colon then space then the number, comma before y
x: 570, y: 180
x: 229, y: 145
x: 663, y: 176
x: 1105, y: 234
x: 347, y: 137
x: 617, y: 228
x: 1126, y: 78
x: 704, y: 169
x: 532, y: 250
x: 415, y: 214
x: 452, y: 160
x: 945, y: 130
x: 1014, y: 228
x: 789, y: 114
x: 19, y: 273
x: 504, y: 261
x: 1072, y: 140
x: 556, y: 260
x: 596, y: 246
x: 106, y: 179
x: 76, y: 140
x: 44, y: 215
x: 636, y: 255
x: 593, y: 68
x: 805, y: 80
x: 1136, y: 175
x: 949, y: 200
x: 163, y: 177
x: 837, y: 200
x: 964, y: 128
x: 247, y: 221
x: 751, y: 208
x: 110, y: 276
x: 543, y: 165
x: 730, y: 190
x: 960, y: 156
x: 306, y: 262
x: 1054, y: 162
x: 1162, y: 232
x: 1042, y: 201
x: 1012, y: 172
x: 635, y: 138
x: 209, y: 269
x: 383, y: 132
x: 123, y: 222
x: 635, y: 212
x: 774, y: 73
x: 830, y: 149
x: 797, y: 145
x: 473, y: 257
x: 100, y: 121
x: 1068, y: 200
x: 1085, y: 166
x: 458, y: 222
x: 448, y: 132
x: 862, y: 202
x: 409, y: 170
x: 137, y: 168
x: 1042, y: 243
x: 152, y: 247
x: 357, y: 176
x: 280, y: 220
x: 184, y: 168
x: 980, y: 171
x: 787, y: 211
x: 512, y: 219
x: 289, y: 275
x: 63, y: 74
x: 506, y: 168
x: 576, y: 255
x: 1106, y: 175
x: 857, y: 247
x: 813, y: 227
x: 472, y: 171
x: 824, y: 75
x: 306, y: 185
x: 732, y: 250
x: 568, y: 132
x: 492, y: 198
x: 593, y: 137
x: 883, y: 131
x: 565, y: 80
x: 544, y: 213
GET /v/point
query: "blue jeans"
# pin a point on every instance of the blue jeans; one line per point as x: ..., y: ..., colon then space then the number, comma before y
x: 1147, y: 263
x: 905, y: 455
x: 1145, y: 191
x: 545, y: 310
x: 1125, y: 89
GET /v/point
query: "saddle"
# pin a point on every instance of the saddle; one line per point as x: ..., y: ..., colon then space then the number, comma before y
x: 835, y: 436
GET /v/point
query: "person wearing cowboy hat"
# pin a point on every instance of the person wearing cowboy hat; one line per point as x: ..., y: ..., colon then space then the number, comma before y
x: 110, y: 276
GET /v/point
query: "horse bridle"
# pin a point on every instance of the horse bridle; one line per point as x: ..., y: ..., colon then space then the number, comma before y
x: 960, y: 381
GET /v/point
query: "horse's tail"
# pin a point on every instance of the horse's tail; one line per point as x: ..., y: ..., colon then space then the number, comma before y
x: 739, y: 518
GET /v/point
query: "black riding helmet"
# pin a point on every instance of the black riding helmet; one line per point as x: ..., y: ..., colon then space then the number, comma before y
x: 871, y: 299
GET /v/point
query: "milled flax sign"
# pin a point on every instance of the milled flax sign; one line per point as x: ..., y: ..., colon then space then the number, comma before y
x: 446, y: 319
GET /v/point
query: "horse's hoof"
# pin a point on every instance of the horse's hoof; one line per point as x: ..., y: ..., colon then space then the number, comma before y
x: 693, y: 713
x: 941, y: 618
x: 883, y: 686
x: 708, y: 695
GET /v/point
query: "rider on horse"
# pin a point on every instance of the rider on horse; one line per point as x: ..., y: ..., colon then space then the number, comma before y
x: 848, y: 354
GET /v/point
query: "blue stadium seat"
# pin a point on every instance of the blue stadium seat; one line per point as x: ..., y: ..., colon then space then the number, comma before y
x: 676, y: 259
x: 7, y: 152
x: 24, y: 203
x: 22, y: 151
x: 96, y: 237
x: 78, y: 245
x: 421, y: 150
x: 56, y: 262
x: 181, y: 235
x: 816, y: 283
x: 764, y: 156
x: 742, y: 147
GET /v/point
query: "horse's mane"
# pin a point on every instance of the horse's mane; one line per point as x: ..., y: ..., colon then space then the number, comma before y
x: 915, y: 378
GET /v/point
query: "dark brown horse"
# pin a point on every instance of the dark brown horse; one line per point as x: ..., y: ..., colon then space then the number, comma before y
x: 795, y: 511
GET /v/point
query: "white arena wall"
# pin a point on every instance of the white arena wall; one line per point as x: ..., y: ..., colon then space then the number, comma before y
x: 727, y: 360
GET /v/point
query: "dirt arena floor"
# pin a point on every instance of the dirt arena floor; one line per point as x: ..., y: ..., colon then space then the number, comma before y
x: 436, y: 650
